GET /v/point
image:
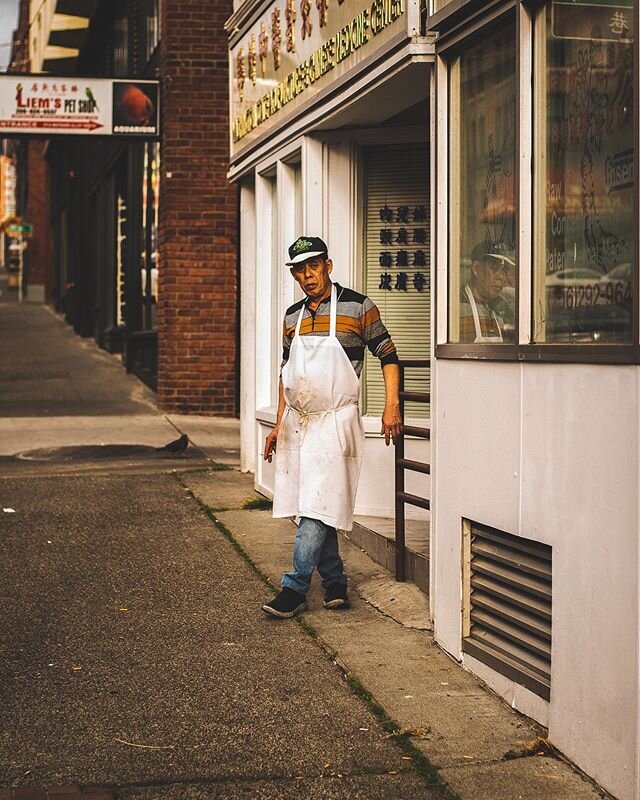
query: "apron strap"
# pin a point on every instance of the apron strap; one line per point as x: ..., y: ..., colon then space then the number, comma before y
x: 300, y: 315
x: 480, y: 337
x: 333, y: 312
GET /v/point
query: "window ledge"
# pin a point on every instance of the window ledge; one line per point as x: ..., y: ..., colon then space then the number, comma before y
x: 544, y: 353
x: 267, y: 415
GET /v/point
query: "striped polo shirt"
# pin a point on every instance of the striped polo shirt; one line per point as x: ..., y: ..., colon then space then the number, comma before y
x: 358, y: 324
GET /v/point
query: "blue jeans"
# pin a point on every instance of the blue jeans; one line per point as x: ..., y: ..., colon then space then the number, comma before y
x: 316, y: 546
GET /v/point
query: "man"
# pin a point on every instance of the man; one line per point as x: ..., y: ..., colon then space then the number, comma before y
x: 318, y: 433
x: 485, y: 314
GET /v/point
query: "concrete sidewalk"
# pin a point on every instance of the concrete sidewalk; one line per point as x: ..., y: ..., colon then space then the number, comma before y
x: 59, y: 390
x: 481, y: 749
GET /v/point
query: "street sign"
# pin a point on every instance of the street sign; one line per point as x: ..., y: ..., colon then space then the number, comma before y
x: 48, y: 106
x: 24, y: 228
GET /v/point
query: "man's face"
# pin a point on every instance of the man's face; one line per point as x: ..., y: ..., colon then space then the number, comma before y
x: 313, y: 276
x: 487, y: 278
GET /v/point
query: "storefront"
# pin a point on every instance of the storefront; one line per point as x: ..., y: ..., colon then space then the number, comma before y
x: 105, y: 191
x: 330, y: 107
x: 536, y: 375
x: 143, y: 220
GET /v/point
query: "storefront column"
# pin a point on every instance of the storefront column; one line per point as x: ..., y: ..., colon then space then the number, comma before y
x: 248, y: 301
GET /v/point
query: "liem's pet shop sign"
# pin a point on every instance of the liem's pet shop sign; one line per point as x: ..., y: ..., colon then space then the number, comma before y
x: 49, y: 106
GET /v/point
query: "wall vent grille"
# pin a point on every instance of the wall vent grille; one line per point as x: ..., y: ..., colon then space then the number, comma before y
x: 507, y: 612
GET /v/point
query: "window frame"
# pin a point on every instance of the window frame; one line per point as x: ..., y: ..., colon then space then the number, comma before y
x: 504, y: 349
x: 454, y: 37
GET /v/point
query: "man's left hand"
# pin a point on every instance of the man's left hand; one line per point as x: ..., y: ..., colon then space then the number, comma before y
x: 391, y: 423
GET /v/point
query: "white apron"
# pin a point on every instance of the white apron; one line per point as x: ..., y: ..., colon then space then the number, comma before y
x: 476, y: 320
x: 321, y: 438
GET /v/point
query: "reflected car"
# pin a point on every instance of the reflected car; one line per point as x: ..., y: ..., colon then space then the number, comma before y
x: 584, y: 305
x: 615, y: 287
x: 558, y: 284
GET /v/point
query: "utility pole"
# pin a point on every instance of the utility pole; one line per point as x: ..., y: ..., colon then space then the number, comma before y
x: 20, y: 267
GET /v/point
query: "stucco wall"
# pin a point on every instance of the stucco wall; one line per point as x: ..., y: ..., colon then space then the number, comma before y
x: 550, y: 452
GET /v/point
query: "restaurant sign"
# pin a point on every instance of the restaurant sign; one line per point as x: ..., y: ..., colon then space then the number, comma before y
x: 295, y: 50
x: 48, y: 106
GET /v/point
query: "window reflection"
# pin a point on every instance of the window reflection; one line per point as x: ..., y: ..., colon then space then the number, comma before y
x: 149, y: 239
x: 482, y: 247
x: 120, y: 42
x: 151, y: 13
x: 585, y: 174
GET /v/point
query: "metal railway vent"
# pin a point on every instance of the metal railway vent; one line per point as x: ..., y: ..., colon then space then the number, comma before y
x: 507, y: 612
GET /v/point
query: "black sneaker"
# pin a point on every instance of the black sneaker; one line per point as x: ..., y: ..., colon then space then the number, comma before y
x: 286, y: 604
x: 336, y: 596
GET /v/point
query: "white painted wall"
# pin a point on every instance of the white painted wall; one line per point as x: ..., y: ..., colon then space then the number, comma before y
x: 551, y: 452
x: 376, y: 490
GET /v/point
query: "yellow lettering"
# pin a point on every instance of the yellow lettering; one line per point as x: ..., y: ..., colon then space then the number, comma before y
x: 384, y: 12
x: 346, y: 41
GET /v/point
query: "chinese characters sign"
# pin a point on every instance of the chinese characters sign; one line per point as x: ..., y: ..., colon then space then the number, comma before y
x: 296, y: 48
x: 404, y: 248
x: 396, y: 252
x: 589, y: 20
x: 42, y: 104
x: 7, y: 187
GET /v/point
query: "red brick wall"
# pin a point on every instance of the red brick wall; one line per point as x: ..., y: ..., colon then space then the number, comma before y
x: 19, y: 61
x: 38, y: 257
x: 197, y: 321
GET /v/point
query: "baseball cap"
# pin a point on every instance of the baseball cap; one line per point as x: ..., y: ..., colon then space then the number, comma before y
x: 306, y: 247
x: 488, y: 251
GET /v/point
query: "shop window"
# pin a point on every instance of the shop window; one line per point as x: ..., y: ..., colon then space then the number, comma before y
x: 149, y: 238
x: 120, y: 40
x: 585, y: 185
x: 482, y: 269
x: 151, y: 27
x: 397, y: 279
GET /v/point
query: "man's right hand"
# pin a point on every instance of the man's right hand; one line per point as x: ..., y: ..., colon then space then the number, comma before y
x: 270, y: 444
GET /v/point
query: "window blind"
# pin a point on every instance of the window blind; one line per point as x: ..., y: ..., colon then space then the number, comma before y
x: 397, y: 269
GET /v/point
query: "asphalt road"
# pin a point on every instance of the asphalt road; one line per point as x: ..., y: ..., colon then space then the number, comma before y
x: 133, y: 654
x: 133, y: 651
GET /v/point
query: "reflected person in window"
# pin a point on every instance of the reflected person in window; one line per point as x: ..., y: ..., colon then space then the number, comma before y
x: 487, y: 299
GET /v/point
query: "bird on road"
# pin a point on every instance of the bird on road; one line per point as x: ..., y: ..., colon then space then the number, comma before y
x: 176, y: 447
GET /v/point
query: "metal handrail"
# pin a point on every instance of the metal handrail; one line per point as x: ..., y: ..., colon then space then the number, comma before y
x: 402, y: 463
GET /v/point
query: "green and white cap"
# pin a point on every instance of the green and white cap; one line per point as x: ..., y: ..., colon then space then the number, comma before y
x: 306, y: 247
